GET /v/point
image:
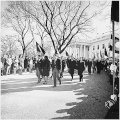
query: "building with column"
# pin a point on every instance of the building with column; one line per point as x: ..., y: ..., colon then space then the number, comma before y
x: 88, y: 48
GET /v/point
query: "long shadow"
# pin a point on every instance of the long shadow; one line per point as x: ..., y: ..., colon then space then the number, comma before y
x: 92, y: 99
x: 18, y: 85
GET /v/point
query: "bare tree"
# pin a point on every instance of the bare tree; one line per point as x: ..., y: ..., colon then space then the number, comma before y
x: 10, y: 45
x: 16, y: 18
x: 61, y: 20
x: 42, y: 34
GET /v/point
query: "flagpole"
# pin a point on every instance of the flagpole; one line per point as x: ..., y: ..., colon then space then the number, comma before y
x: 113, y: 52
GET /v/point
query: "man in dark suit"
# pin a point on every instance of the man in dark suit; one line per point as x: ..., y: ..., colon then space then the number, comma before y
x: 72, y: 65
x: 56, y: 66
x: 81, y: 68
x: 62, y: 67
x: 98, y: 64
x: 38, y: 66
x: 89, y: 66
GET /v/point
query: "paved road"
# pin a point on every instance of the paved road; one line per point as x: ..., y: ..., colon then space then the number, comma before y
x: 23, y: 98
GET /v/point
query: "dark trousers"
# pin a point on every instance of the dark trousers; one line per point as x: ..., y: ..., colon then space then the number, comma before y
x: 71, y: 75
x: 56, y: 75
x: 80, y: 77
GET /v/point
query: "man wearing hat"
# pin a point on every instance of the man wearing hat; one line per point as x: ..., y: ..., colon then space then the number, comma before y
x: 56, y: 68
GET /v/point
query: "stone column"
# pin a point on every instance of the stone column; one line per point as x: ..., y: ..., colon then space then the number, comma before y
x: 80, y: 50
x: 84, y: 51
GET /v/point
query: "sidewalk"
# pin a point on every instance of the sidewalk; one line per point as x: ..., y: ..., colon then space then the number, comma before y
x: 23, y: 98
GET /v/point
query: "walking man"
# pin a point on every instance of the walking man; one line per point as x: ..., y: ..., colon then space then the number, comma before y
x: 56, y: 69
x: 38, y: 68
x: 81, y: 68
x: 72, y: 65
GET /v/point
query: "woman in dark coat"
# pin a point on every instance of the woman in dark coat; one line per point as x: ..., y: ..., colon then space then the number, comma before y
x: 81, y: 68
x: 46, y: 69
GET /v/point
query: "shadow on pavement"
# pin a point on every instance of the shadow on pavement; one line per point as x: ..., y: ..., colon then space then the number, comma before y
x: 96, y: 92
x: 22, y: 85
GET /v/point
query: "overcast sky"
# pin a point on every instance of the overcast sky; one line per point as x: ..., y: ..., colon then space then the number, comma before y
x: 101, y: 25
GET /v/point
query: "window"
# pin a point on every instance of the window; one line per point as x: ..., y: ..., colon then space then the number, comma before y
x: 88, y: 48
x: 98, y: 47
x: 93, y: 47
x: 103, y: 46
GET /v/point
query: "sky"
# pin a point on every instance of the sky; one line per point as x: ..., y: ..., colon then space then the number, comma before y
x: 102, y: 26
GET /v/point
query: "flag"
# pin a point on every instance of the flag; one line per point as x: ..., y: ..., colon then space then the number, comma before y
x: 38, y: 47
x: 115, y: 11
x: 106, y: 52
x: 94, y: 56
x: 67, y: 53
x: 111, y: 47
x: 43, y: 51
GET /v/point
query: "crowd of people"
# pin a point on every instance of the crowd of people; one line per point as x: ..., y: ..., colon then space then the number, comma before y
x: 16, y: 64
x: 57, y: 64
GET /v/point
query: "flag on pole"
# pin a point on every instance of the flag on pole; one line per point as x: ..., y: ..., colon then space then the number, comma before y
x: 38, y: 47
x: 115, y: 11
x: 67, y: 53
x: 43, y: 51
x: 94, y: 56
x: 106, y: 52
x: 111, y: 48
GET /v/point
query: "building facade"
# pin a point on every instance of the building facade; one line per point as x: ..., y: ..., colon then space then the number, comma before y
x: 89, y: 49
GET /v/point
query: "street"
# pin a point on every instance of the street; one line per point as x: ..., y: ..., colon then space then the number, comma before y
x: 23, y: 98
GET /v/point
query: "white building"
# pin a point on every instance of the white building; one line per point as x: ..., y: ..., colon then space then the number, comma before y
x: 87, y: 48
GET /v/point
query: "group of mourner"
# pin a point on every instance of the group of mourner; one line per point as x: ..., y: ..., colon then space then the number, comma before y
x: 57, y: 64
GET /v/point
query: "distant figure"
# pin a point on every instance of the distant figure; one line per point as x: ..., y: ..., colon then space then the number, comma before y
x: 81, y: 68
x: 39, y: 68
x: 9, y: 63
x: 46, y: 69
x: 98, y: 64
x: 72, y: 65
x: 25, y: 63
x: 89, y: 66
x: 56, y: 69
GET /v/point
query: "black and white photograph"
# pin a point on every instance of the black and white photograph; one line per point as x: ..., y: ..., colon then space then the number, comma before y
x: 60, y: 59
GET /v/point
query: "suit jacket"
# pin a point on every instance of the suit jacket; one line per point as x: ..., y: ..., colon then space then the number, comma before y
x: 56, y: 64
x: 81, y: 67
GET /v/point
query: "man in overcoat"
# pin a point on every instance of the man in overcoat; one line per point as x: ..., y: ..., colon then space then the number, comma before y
x: 38, y: 67
x: 81, y: 68
x: 56, y: 66
x: 72, y: 65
